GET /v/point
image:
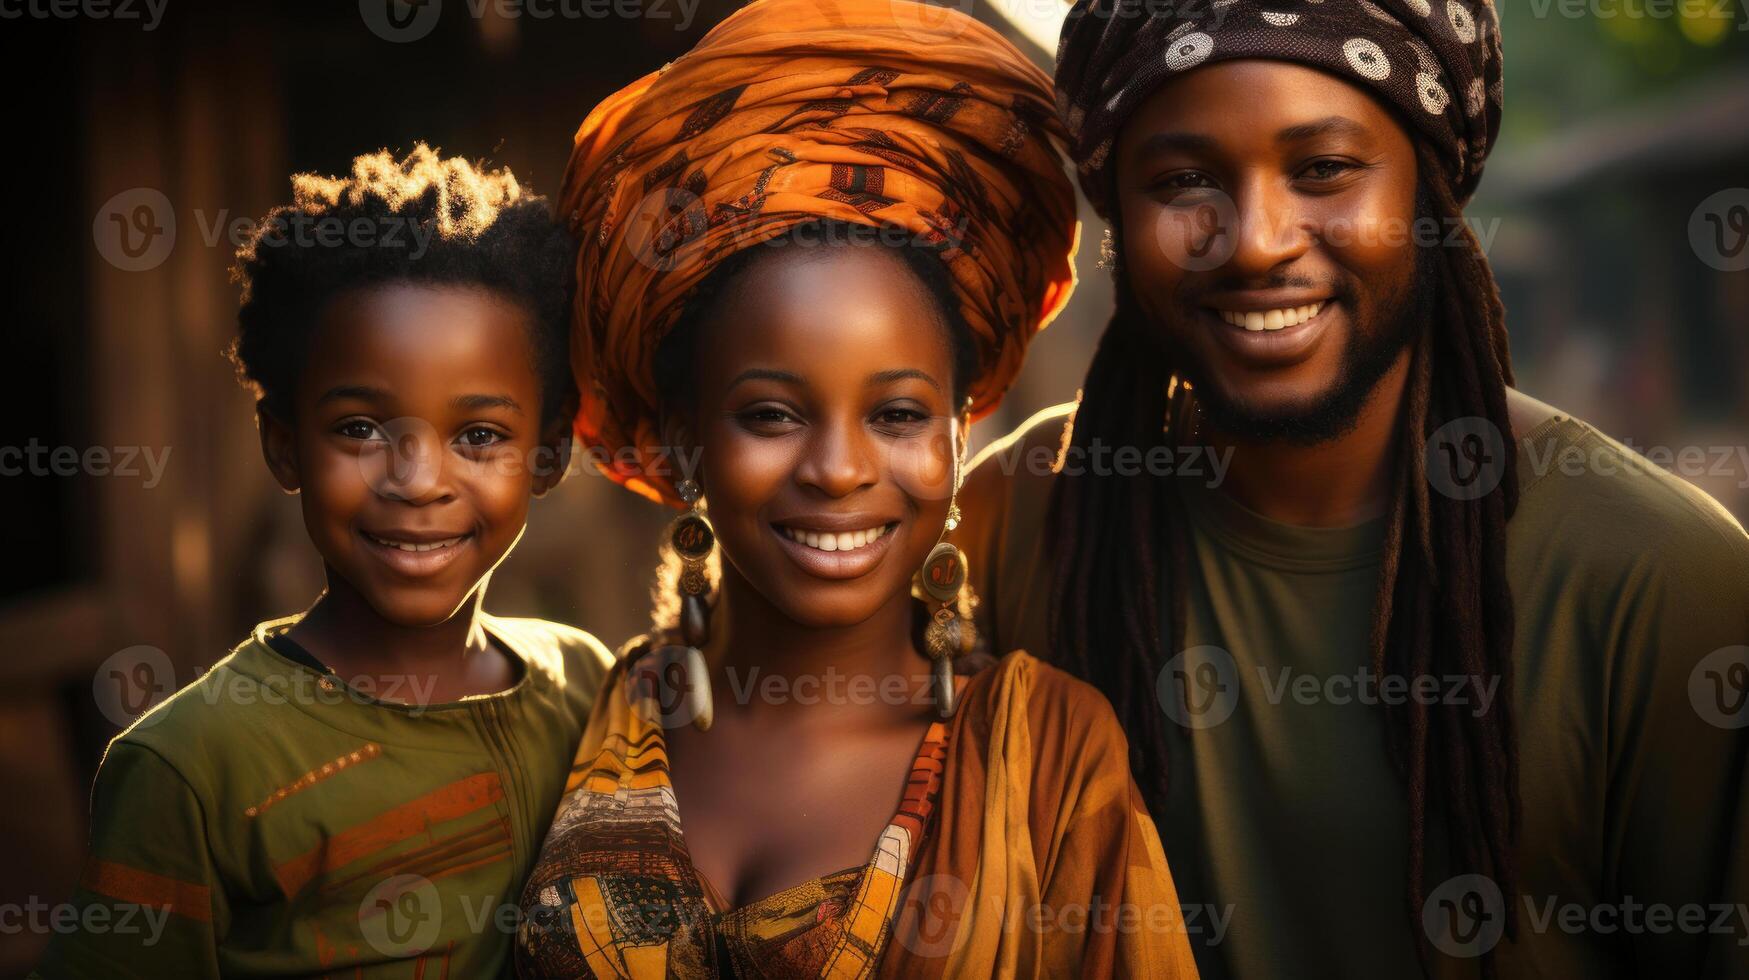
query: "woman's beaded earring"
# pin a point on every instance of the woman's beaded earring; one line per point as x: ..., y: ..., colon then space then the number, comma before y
x: 950, y: 632
x: 693, y: 540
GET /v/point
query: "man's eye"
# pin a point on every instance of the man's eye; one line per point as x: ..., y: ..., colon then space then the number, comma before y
x: 359, y: 429
x: 1188, y: 180
x: 480, y: 436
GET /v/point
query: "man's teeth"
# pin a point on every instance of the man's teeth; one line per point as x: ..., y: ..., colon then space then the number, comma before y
x: 1289, y: 316
x: 828, y: 541
x: 412, y: 546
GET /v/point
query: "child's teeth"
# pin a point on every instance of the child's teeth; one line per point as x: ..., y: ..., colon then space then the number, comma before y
x: 414, y: 546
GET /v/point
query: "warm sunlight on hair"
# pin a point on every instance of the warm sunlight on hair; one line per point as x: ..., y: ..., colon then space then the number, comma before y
x: 468, y: 198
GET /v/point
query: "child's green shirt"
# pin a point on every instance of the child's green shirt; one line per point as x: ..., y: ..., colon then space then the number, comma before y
x: 268, y: 820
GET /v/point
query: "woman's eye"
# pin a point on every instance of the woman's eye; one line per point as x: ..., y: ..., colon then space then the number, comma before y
x: 900, y: 419
x: 479, y: 437
x: 1327, y: 169
x: 359, y: 429
x: 765, y: 417
x: 902, y: 415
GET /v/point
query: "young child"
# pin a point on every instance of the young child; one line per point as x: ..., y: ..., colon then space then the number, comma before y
x: 360, y: 791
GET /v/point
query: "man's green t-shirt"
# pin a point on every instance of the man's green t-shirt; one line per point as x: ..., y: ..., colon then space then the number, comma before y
x: 270, y: 820
x: 1287, y: 826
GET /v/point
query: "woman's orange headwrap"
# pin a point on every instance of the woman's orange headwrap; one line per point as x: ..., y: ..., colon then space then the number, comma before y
x: 875, y: 112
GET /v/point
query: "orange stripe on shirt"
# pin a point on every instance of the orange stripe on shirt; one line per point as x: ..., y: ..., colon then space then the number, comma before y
x: 457, y: 799
x: 139, y: 887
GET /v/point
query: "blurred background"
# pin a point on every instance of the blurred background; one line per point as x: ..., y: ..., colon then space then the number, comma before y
x: 1616, y: 211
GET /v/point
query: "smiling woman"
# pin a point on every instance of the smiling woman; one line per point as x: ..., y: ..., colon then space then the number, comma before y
x: 796, y: 410
x: 803, y: 276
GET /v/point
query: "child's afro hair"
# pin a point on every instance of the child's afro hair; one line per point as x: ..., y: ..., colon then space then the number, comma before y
x: 423, y: 219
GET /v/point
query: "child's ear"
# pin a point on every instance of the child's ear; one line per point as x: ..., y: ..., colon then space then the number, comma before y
x: 278, y: 447
x: 557, y: 440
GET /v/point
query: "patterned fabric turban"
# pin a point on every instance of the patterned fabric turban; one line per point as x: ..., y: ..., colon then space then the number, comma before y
x: 1436, y: 62
x: 880, y: 113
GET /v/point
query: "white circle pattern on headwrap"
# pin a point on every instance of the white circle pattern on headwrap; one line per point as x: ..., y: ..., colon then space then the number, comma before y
x: 1189, y: 51
x: 1437, y: 62
x: 1433, y: 95
x: 1366, y: 57
x: 1463, y: 23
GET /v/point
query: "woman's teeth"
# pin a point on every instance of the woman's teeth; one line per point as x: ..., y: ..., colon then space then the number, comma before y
x: 412, y: 546
x: 828, y: 541
x: 1289, y: 316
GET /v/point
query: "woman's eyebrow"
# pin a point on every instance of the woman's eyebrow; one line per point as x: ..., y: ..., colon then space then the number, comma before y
x: 900, y: 374
x: 765, y: 374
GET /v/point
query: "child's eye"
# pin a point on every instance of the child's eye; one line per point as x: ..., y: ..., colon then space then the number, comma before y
x: 360, y: 429
x: 479, y: 437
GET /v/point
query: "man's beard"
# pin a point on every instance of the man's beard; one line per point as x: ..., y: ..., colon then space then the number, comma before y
x: 1367, y: 357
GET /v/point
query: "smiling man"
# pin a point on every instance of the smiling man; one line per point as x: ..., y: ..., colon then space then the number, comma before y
x: 1403, y: 701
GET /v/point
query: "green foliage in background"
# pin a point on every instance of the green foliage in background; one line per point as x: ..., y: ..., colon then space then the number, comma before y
x: 1572, y: 60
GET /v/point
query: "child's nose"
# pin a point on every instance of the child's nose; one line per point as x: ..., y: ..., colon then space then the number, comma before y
x: 408, y: 464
